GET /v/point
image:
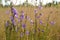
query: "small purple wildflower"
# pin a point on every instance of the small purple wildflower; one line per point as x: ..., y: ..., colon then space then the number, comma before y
x: 40, y: 7
x: 12, y: 20
x: 38, y: 17
x: 35, y: 11
x: 22, y: 17
x: 41, y: 22
x: 14, y: 11
x: 7, y: 23
x: 52, y: 22
x: 16, y: 16
x: 23, y: 25
x: 11, y: 17
x: 27, y: 32
x: 27, y: 17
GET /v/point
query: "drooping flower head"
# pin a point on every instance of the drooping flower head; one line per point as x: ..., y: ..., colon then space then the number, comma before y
x: 12, y: 20
x: 14, y: 11
x: 22, y: 15
x: 41, y: 22
x: 23, y: 25
x: 16, y: 15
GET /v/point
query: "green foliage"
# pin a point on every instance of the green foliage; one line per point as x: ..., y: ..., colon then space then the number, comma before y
x: 48, y: 5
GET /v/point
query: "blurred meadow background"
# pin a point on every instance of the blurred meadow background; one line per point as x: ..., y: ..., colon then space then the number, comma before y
x: 29, y: 20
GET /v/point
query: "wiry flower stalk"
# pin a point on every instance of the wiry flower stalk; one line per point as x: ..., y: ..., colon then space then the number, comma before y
x: 13, y: 15
x: 21, y: 25
x: 47, y: 30
x: 13, y: 11
x: 35, y: 34
x: 8, y: 30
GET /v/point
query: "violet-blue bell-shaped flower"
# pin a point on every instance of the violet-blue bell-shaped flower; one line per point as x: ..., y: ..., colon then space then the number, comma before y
x: 14, y: 11
x: 23, y: 25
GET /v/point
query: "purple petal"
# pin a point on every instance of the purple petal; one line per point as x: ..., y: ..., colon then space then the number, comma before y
x: 12, y: 20
x: 52, y: 22
x: 27, y: 32
x: 38, y: 17
x: 35, y: 11
x: 27, y: 17
x: 23, y: 25
x: 22, y: 17
x: 11, y: 17
x: 14, y: 11
x: 40, y: 7
x: 16, y: 16
x: 41, y: 22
